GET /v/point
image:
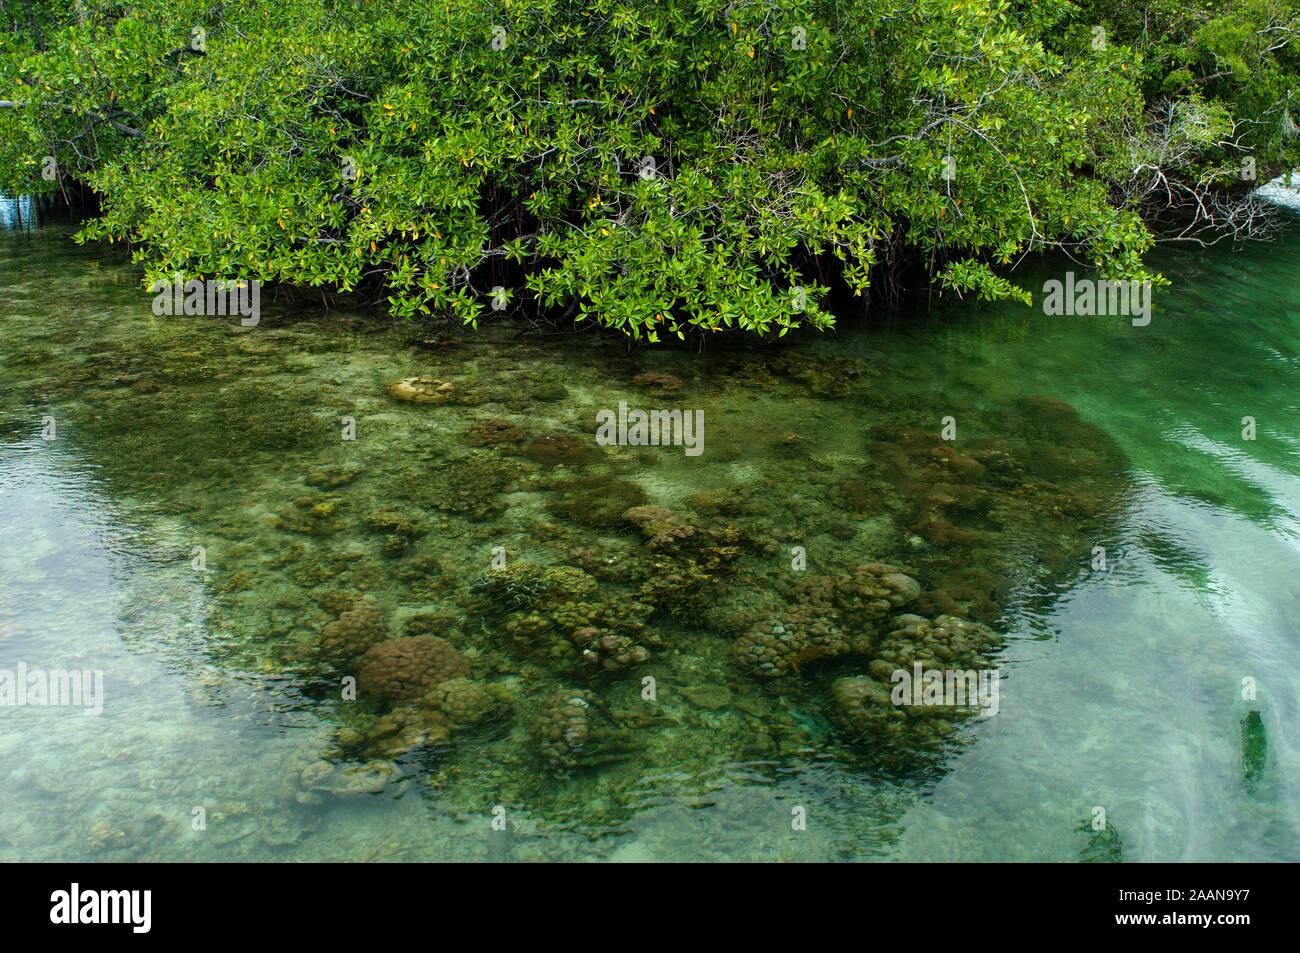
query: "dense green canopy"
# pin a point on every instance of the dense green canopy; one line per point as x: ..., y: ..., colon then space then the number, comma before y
x: 655, y: 166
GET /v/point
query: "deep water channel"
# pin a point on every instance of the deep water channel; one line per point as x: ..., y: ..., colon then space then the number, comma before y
x: 180, y: 511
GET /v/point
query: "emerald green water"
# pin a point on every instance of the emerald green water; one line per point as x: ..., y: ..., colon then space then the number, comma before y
x: 1119, y: 689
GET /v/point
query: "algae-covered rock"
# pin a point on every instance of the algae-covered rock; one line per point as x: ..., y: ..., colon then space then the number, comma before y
x: 407, y: 727
x: 903, y: 589
x: 865, y: 599
x: 861, y: 705
x: 390, y: 521
x: 892, y: 735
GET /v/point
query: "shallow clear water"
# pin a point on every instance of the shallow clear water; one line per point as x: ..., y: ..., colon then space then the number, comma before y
x: 1120, y: 689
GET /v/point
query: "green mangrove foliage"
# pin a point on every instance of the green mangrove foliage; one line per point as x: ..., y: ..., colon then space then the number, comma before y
x: 658, y: 168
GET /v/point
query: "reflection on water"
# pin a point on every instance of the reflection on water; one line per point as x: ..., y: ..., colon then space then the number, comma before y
x: 16, y: 212
x: 199, y: 532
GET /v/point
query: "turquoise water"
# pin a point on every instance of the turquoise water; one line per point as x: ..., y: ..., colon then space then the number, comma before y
x: 1119, y: 689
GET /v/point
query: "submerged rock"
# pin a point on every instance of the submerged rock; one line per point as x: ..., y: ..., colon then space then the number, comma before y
x: 431, y: 390
x: 712, y: 697
x: 373, y: 777
x: 333, y: 477
x: 867, y: 595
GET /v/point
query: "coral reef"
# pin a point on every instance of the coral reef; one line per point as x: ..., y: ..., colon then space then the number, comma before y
x: 499, y: 591
x: 398, y: 529
x: 863, y: 705
x: 829, y: 617
x: 661, y: 527
x: 491, y: 432
x: 660, y: 384
x: 562, y: 450
x: 354, y: 632
x: 946, y: 642
x: 575, y: 732
x: 466, y: 702
x: 611, y: 652
x: 596, y: 501
x: 407, y: 668
x: 962, y: 507
x: 778, y: 646
x: 464, y: 486
x: 554, y: 615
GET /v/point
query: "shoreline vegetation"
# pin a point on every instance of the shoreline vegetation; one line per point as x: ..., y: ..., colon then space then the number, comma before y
x: 666, y: 171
